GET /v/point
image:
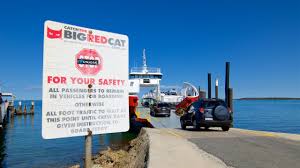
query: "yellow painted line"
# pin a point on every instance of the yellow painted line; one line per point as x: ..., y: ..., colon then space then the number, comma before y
x: 173, y: 133
x: 267, y: 134
x: 148, y: 118
x: 138, y: 114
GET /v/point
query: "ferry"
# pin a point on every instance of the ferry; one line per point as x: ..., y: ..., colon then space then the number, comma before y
x: 151, y: 77
x: 146, y: 77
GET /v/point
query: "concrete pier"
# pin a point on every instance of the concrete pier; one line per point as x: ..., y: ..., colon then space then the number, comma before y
x: 170, y: 150
x: 170, y: 145
x: 176, y: 148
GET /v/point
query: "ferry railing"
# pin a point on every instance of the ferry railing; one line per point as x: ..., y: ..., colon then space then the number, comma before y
x: 142, y: 70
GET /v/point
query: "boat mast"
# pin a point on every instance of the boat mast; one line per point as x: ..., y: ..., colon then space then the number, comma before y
x: 144, y: 58
x: 144, y: 61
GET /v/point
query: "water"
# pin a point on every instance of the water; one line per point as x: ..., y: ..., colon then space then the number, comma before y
x: 268, y: 115
x: 21, y: 144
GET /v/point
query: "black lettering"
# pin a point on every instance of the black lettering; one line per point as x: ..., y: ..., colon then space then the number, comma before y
x: 67, y: 34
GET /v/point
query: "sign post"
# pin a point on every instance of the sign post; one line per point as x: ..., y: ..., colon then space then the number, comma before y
x: 74, y: 58
x: 88, y: 150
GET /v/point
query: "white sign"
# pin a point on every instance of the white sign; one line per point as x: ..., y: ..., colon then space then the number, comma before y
x: 85, y: 78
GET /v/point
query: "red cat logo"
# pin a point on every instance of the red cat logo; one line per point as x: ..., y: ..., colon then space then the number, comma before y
x: 54, y: 33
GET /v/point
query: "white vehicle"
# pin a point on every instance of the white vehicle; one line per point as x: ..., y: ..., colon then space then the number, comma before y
x: 171, y: 97
x: 174, y: 97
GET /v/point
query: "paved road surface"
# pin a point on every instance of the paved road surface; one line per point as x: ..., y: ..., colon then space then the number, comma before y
x: 238, y: 148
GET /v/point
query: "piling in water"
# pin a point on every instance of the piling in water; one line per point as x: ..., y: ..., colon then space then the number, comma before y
x: 19, y: 111
x: 25, y: 110
x: 217, y: 89
x: 12, y: 112
x: 209, y: 85
x: 227, y: 82
x: 230, y: 98
x: 32, y: 108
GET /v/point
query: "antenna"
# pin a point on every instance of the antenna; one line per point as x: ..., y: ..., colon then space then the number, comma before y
x: 144, y: 58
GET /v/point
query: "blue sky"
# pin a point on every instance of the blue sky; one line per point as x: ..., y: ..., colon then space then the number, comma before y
x: 186, y: 39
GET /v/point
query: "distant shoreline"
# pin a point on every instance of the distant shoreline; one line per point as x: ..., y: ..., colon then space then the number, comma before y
x: 269, y: 98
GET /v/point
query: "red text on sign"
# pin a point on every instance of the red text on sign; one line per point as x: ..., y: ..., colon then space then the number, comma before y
x: 57, y: 79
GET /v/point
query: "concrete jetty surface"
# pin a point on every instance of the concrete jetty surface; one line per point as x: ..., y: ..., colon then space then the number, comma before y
x: 235, y: 148
x: 169, y: 150
x: 173, y: 147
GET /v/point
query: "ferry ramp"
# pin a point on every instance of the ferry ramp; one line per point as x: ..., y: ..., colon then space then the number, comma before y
x: 236, y: 148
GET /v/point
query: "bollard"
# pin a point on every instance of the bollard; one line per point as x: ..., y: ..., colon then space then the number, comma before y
x: 230, y: 98
x: 227, y: 82
x: 88, y: 150
x: 209, y: 85
x: 32, y: 108
x: 217, y: 89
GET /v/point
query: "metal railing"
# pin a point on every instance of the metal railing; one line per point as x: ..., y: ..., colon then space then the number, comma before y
x: 144, y: 70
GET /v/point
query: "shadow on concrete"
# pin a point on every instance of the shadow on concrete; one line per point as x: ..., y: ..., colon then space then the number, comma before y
x: 160, y: 116
x: 201, y: 130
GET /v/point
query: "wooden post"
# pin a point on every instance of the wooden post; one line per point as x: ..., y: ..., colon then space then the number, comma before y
x: 12, y: 111
x: 32, y: 108
x: 209, y: 85
x: 217, y: 89
x: 19, y: 111
x: 88, y: 150
x: 230, y: 98
x: 88, y: 141
x: 25, y: 110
